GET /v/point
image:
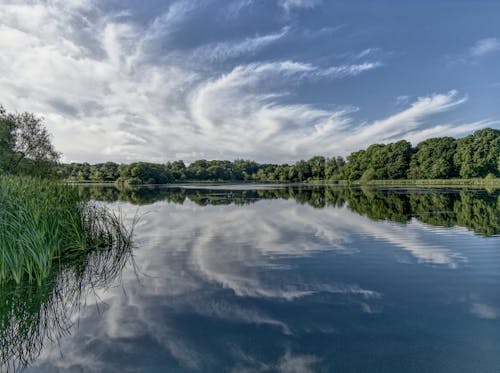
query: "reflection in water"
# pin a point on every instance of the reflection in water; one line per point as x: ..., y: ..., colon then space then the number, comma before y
x: 32, y: 315
x: 291, y: 279
x: 475, y: 210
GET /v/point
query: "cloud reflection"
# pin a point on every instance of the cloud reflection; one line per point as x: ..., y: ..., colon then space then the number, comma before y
x: 225, y: 266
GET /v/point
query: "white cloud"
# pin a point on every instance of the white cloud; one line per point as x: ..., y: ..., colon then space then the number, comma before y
x: 402, y: 100
x: 291, y: 4
x: 412, y: 118
x: 286, y: 5
x: 484, y: 311
x: 347, y: 70
x: 298, y: 363
x: 244, y: 105
x: 220, y: 51
x: 452, y: 129
x: 485, y: 46
x: 111, y: 89
x: 246, y: 110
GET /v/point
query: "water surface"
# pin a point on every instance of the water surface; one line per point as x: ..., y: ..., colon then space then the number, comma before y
x: 294, y: 279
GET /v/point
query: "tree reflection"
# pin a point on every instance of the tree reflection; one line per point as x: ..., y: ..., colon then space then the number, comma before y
x: 476, y: 210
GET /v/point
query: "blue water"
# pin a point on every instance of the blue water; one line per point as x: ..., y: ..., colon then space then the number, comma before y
x: 267, y: 280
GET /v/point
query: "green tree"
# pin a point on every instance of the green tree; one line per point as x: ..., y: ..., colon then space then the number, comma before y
x: 317, y: 167
x: 25, y: 145
x: 434, y: 159
x: 398, y: 161
x: 479, y: 154
x: 303, y: 170
x: 379, y: 161
x: 177, y: 169
x: 334, y: 168
x: 356, y: 165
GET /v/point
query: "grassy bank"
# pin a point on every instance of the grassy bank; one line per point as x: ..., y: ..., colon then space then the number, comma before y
x: 44, y: 225
x: 479, y: 182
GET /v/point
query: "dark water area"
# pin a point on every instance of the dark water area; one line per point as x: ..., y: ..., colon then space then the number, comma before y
x: 281, y: 279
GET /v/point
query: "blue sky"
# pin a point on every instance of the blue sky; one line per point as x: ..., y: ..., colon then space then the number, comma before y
x: 270, y: 80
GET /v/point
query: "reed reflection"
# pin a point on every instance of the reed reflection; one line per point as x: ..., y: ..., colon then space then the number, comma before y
x: 32, y: 315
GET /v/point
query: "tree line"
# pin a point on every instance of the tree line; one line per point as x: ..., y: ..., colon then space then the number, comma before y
x: 474, y: 156
x: 25, y: 148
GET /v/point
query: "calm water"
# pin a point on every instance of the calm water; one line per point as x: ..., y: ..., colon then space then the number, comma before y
x: 292, y: 280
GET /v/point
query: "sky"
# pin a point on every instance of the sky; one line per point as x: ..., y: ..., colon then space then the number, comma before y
x: 267, y: 80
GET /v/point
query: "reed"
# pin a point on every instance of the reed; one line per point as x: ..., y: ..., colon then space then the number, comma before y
x: 44, y: 225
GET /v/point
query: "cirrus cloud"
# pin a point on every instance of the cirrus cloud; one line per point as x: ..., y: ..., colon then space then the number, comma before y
x: 485, y: 46
x: 113, y: 88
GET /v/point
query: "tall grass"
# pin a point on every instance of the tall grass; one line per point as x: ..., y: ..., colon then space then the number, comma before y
x: 45, y: 224
x: 32, y: 315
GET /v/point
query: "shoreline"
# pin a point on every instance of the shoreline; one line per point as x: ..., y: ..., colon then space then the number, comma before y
x: 421, y: 183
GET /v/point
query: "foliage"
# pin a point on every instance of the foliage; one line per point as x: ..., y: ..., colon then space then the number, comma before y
x: 44, y: 224
x: 379, y: 162
x: 433, y: 159
x: 52, y: 241
x: 334, y: 168
x: 25, y: 146
x: 477, y: 155
x: 32, y: 314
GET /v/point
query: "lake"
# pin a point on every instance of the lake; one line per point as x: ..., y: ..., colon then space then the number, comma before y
x: 281, y: 279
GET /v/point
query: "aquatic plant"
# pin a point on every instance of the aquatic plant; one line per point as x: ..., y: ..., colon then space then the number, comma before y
x: 32, y: 315
x: 45, y: 224
x: 55, y: 247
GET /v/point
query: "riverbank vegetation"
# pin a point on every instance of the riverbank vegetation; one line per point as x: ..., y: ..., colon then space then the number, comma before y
x: 486, y: 182
x: 472, y: 158
x: 55, y: 244
x: 34, y: 314
x: 43, y: 223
